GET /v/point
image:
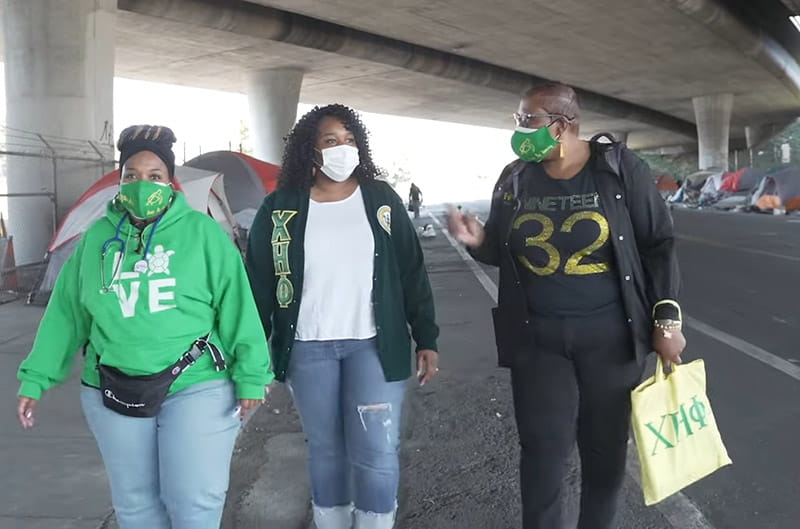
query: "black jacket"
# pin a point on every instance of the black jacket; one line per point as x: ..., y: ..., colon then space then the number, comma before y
x: 641, y: 235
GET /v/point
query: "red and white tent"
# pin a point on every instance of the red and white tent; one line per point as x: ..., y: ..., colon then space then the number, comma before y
x: 204, y: 191
x: 247, y: 180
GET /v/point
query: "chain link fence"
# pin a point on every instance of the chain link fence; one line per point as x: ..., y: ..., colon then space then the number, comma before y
x: 41, y: 164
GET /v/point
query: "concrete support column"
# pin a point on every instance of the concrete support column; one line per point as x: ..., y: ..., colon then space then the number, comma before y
x: 713, y: 117
x: 59, y: 71
x: 273, y: 96
x: 755, y: 134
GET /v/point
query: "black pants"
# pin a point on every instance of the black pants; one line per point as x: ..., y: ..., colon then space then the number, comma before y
x: 576, y: 383
x: 415, y: 205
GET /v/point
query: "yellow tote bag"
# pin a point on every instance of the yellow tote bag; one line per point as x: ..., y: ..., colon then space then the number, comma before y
x: 675, y: 431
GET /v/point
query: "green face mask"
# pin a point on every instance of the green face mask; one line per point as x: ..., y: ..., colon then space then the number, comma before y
x: 144, y: 199
x: 533, y: 145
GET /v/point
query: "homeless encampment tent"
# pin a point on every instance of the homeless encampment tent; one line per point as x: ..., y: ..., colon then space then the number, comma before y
x: 690, y: 190
x: 778, y: 190
x: 204, y: 191
x: 742, y: 180
x: 247, y: 179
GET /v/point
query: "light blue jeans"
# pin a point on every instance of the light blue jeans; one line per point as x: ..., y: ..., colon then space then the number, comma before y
x: 170, y: 471
x: 351, y: 418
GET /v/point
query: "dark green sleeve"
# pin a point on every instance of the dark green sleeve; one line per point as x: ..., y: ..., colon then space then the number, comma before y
x: 260, y: 268
x: 418, y: 297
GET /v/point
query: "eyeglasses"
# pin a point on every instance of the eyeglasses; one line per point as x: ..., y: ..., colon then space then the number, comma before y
x: 525, y: 119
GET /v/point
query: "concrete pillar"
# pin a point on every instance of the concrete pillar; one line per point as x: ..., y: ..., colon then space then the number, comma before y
x: 755, y: 134
x: 59, y: 71
x: 713, y: 116
x: 272, y: 96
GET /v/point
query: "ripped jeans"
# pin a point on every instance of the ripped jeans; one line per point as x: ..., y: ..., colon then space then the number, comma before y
x: 351, y: 417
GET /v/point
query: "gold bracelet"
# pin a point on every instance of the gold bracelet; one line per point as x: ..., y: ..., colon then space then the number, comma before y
x: 667, y: 326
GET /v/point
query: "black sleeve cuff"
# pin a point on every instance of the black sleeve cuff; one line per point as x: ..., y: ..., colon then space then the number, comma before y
x: 666, y: 311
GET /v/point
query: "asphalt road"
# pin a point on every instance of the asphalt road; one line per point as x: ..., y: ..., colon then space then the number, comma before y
x: 741, y: 280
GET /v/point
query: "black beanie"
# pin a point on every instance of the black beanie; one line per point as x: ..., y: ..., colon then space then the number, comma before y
x: 153, y: 138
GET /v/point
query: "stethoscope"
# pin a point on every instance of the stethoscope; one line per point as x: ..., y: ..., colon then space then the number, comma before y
x: 140, y: 266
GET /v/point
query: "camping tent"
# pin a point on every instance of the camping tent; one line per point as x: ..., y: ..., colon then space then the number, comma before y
x: 247, y: 180
x: 741, y: 180
x: 712, y: 186
x: 780, y: 189
x: 698, y: 179
x: 204, y: 191
x: 689, y: 193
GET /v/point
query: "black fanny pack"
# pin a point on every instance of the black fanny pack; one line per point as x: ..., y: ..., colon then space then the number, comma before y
x: 142, y: 396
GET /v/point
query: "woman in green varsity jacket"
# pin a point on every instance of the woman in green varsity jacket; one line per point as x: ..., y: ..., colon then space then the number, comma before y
x: 338, y: 276
x: 144, y: 283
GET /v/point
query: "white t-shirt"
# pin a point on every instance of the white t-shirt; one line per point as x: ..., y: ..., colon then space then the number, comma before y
x: 336, y: 303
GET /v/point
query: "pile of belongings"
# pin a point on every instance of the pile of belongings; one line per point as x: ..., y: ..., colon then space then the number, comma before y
x: 426, y: 231
x: 718, y: 189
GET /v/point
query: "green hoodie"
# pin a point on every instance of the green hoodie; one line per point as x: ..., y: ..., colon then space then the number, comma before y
x: 195, y: 283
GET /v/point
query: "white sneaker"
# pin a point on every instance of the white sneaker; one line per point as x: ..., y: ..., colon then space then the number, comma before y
x: 339, y: 517
x: 371, y: 520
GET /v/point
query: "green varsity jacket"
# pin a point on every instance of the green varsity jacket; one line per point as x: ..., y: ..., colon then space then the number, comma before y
x: 401, y: 294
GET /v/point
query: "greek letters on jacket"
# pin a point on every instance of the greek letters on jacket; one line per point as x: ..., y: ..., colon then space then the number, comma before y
x: 281, y: 239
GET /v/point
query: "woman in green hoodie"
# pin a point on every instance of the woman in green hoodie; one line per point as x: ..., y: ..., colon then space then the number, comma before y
x: 157, y: 297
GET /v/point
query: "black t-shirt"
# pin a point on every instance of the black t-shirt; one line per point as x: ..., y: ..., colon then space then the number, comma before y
x: 560, y: 242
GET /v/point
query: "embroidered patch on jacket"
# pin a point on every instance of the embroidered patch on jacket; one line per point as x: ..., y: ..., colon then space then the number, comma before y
x: 385, y: 218
x: 281, y: 240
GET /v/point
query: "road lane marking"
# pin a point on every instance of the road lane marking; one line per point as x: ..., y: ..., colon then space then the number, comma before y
x: 485, y: 280
x: 707, y: 242
x: 753, y: 351
x: 680, y: 511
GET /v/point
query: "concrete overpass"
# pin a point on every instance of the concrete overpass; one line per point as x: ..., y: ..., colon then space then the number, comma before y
x: 658, y: 72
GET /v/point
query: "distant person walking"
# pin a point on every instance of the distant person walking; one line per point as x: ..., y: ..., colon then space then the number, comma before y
x: 588, y: 287
x: 157, y: 297
x: 339, y: 278
x: 414, y: 200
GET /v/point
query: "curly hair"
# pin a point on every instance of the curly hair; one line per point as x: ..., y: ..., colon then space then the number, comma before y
x: 297, y: 167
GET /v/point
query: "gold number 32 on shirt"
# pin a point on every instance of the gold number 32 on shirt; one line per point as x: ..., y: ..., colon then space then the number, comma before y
x: 573, y: 265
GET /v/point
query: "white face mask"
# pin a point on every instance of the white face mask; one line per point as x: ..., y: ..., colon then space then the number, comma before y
x: 338, y: 163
